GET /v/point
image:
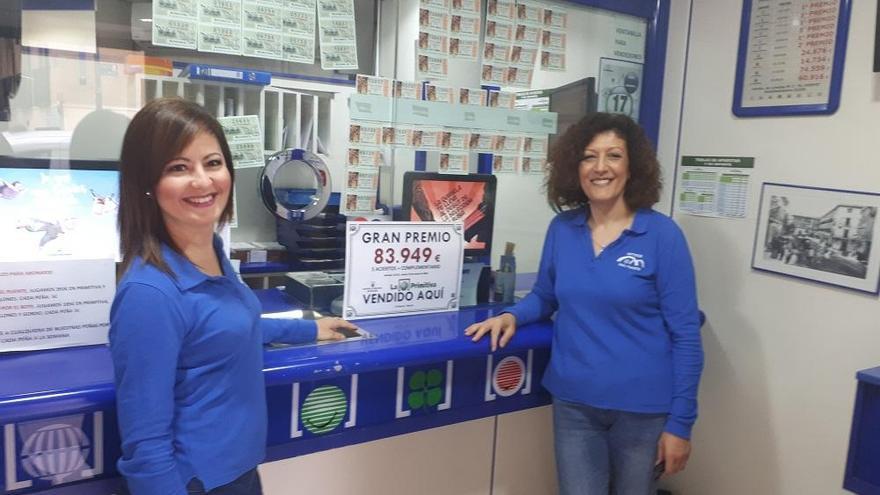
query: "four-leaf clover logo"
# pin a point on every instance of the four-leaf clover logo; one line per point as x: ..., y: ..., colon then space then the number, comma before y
x: 425, y: 389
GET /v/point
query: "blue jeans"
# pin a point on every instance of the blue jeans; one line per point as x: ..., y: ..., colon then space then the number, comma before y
x: 603, y: 451
x: 246, y: 484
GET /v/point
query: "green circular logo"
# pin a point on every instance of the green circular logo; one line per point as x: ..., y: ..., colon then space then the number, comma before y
x: 324, y: 409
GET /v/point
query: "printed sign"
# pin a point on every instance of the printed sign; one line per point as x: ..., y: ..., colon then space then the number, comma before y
x: 397, y: 268
x: 44, y: 305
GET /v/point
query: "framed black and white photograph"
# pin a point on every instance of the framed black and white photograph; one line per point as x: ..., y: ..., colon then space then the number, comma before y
x: 823, y: 235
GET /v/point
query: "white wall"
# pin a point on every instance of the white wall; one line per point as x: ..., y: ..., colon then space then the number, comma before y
x: 781, y: 354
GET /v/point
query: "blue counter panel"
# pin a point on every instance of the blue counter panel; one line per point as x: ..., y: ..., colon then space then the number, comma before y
x: 59, y: 422
x: 862, y: 475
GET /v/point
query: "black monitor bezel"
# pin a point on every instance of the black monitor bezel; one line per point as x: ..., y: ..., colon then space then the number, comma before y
x: 490, y: 194
x: 7, y: 161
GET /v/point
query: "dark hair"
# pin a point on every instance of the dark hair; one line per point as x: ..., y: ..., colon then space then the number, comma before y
x: 158, y: 133
x: 563, y: 182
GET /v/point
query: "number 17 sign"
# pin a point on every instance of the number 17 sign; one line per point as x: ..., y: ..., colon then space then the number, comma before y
x: 402, y: 268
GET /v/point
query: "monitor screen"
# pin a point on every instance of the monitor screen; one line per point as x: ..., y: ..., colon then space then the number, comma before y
x: 49, y: 213
x: 470, y: 199
x: 571, y: 103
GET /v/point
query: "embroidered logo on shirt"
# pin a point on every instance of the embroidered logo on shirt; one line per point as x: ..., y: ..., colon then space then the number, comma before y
x: 631, y: 261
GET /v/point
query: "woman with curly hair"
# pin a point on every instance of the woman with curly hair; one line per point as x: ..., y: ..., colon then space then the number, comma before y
x: 626, y: 354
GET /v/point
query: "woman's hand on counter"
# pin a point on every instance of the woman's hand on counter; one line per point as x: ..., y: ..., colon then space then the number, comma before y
x: 500, y: 329
x: 327, y: 328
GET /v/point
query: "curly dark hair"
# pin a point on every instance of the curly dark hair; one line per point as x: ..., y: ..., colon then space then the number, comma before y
x: 563, y: 183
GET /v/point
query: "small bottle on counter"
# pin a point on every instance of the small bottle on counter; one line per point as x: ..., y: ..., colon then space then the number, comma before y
x: 505, y: 277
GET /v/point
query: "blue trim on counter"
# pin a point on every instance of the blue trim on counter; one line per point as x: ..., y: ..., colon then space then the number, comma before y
x: 58, y: 5
x: 67, y: 395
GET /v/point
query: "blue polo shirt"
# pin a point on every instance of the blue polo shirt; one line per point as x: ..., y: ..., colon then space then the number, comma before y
x: 627, y: 327
x: 188, y: 358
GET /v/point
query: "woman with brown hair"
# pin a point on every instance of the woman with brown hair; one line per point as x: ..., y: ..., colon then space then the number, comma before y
x: 626, y: 355
x: 186, y: 335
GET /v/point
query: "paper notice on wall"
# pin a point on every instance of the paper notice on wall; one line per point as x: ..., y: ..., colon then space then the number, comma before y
x: 49, y: 304
x: 261, y: 44
x: 495, y: 74
x: 371, y: 85
x: 554, y: 23
x: 454, y: 163
x: 426, y: 138
x: 245, y: 138
x: 715, y: 186
x: 452, y: 139
x: 481, y: 142
x: 464, y: 49
x: 358, y: 203
x: 175, y: 33
x: 472, y: 96
x: 257, y: 16
x: 533, y: 165
x: 523, y: 58
x: 533, y: 154
x: 219, y: 39
x: 505, y: 164
x: 518, y: 77
x: 175, y: 23
x: 298, y: 31
x: 620, y: 86
x: 298, y: 49
x: 535, y: 145
x: 433, y: 20
x: 359, y: 181
x: 336, y: 32
x: 555, y: 18
x: 364, y: 159
x: 499, y: 31
x: 529, y: 12
x: 473, y: 7
x: 219, y: 26
x: 553, y: 41
x: 364, y: 134
x: 432, y: 46
x: 502, y: 99
x: 495, y: 53
x: 552, y: 61
x: 336, y: 24
x: 407, y: 90
x: 464, y: 29
x: 446, y: 94
x: 507, y: 145
x: 432, y: 67
x: 500, y: 9
x: 297, y: 21
x: 527, y: 36
x: 401, y: 136
x: 219, y: 12
x: 465, y: 26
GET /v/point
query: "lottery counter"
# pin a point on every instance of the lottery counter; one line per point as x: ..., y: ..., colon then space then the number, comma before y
x: 415, y: 373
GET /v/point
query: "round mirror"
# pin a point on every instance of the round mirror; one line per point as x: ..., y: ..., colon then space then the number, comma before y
x: 295, y: 185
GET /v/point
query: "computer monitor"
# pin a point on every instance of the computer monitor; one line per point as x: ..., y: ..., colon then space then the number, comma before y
x: 49, y: 213
x: 430, y: 196
x: 571, y: 102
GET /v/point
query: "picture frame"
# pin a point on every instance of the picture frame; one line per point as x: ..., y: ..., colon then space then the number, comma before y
x: 790, y: 67
x: 877, y: 40
x: 829, y: 236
